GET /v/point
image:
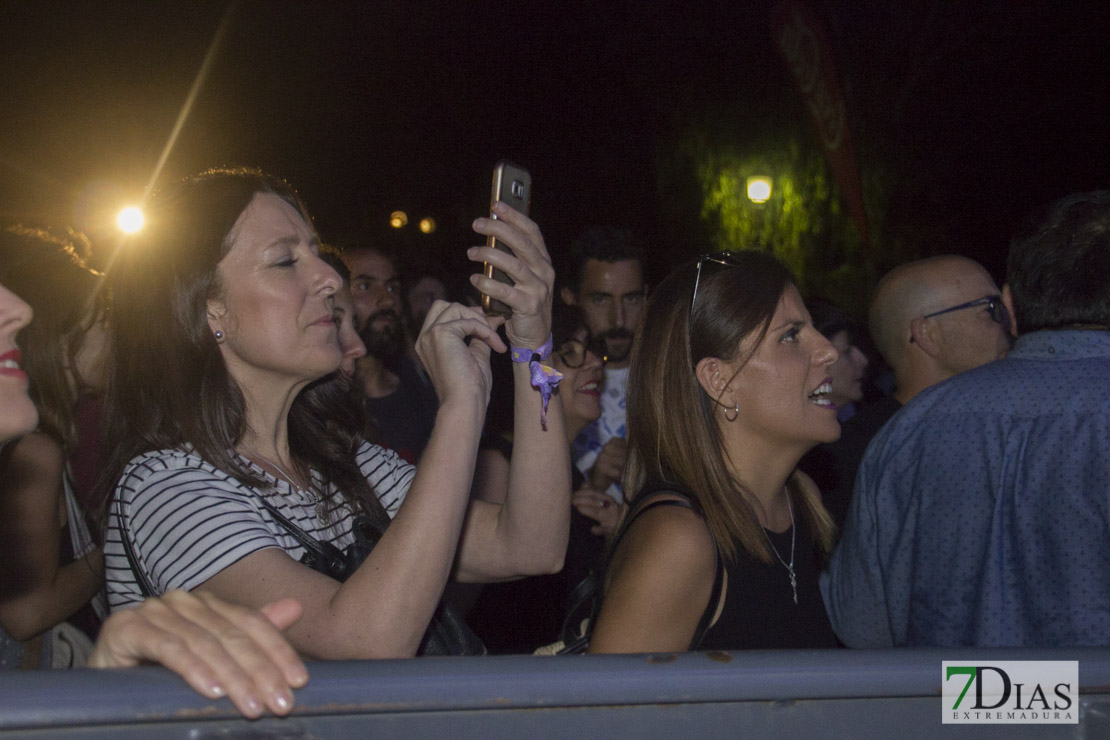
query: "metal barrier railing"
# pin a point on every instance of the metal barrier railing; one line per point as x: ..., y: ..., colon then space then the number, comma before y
x: 828, y: 694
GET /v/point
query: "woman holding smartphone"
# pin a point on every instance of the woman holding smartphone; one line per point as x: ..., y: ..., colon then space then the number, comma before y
x: 728, y: 389
x: 223, y: 331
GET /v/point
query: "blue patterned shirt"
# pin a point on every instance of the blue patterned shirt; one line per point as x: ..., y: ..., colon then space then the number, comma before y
x: 981, y: 513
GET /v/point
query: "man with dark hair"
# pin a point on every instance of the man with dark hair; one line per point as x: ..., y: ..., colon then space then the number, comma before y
x: 401, y: 404
x: 607, y: 286
x: 423, y: 288
x: 981, y: 514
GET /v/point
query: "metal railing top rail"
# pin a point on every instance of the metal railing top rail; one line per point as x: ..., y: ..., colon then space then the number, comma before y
x: 31, y: 699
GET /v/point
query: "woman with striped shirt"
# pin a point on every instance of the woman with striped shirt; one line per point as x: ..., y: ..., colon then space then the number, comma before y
x: 221, y: 404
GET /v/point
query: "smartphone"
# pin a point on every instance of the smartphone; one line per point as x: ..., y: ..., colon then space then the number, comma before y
x: 513, y: 186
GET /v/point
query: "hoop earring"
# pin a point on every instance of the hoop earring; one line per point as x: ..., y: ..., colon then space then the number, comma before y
x: 735, y: 411
x: 219, y: 335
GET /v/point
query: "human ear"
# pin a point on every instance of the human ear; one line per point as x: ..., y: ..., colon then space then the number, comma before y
x: 922, y: 336
x: 1008, y: 302
x: 216, y: 313
x: 568, y: 296
x: 713, y: 375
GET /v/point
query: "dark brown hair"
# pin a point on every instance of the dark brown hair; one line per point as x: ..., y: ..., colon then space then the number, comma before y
x: 47, y: 270
x: 1059, y: 269
x: 673, y: 433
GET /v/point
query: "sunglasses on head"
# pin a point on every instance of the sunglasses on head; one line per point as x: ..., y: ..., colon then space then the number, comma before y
x: 995, y: 308
x: 712, y: 261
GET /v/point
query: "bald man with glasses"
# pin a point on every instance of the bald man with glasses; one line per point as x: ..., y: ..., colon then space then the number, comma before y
x: 935, y: 318
x: 981, y: 511
x: 930, y: 319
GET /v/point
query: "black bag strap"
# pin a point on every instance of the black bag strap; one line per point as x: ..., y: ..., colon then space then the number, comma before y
x: 306, y: 540
x: 315, y: 551
x: 146, y: 588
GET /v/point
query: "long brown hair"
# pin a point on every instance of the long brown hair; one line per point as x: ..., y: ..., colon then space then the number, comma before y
x: 673, y: 434
x: 169, y: 386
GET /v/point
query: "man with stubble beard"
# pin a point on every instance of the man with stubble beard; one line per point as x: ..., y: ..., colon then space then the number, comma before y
x: 400, y: 403
x: 607, y: 286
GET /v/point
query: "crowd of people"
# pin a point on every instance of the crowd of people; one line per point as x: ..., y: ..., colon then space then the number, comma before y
x: 300, y: 452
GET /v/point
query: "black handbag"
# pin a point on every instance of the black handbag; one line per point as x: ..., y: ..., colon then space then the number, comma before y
x: 585, y: 600
x: 447, y: 633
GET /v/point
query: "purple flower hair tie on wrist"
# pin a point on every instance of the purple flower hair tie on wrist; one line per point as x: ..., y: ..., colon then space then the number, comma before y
x: 544, y: 379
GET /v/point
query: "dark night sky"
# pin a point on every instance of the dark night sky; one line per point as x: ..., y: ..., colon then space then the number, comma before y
x: 983, y: 109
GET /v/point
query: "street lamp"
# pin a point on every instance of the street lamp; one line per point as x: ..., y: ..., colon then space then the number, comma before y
x: 130, y: 220
x: 397, y: 219
x: 427, y: 225
x: 759, y: 189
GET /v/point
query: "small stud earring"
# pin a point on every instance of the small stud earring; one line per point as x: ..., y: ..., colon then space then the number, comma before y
x: 219, y: 335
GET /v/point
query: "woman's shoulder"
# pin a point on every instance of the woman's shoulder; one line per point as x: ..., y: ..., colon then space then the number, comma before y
x: 177, y: 468
x: 156, y: 461
x: 32, y: 474
x: 389, y: 476
x: 664, y: 563
x: 37, y: 448
x: 665, y: 528
x: 371, y: 457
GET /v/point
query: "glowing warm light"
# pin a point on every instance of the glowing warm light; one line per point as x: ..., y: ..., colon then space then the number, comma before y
x: 397, y: 219
x: 759, y: 189
x: 427, y: 225
x: 130, y: 220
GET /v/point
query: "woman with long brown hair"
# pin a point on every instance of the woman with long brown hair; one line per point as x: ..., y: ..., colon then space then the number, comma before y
x: 51, y: 566
x: 728, y: 389
x: 231, y: 473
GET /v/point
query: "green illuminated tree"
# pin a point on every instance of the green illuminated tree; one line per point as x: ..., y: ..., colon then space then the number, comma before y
x: 803, y: 224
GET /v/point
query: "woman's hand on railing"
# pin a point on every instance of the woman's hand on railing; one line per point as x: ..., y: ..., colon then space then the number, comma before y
x: 220, y: 649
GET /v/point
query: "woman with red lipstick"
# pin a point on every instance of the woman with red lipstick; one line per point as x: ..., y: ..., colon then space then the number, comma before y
x: 51, y: 569
x: 231, y: 469
x: 220, y: 649
x: 722, y: 543
x: 18, y: 415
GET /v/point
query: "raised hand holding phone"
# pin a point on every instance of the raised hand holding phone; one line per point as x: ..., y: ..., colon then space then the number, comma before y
x: 528, y: 265
x: 512, y: 185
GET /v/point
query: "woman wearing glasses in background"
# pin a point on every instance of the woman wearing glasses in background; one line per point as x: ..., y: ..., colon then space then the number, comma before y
x: 729, y: 388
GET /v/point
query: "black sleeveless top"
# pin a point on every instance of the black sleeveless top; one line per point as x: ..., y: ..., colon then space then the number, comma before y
x: 759, y: 611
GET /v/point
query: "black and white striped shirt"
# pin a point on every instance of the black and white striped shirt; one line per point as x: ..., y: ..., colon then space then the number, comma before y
x: 187, y: 520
